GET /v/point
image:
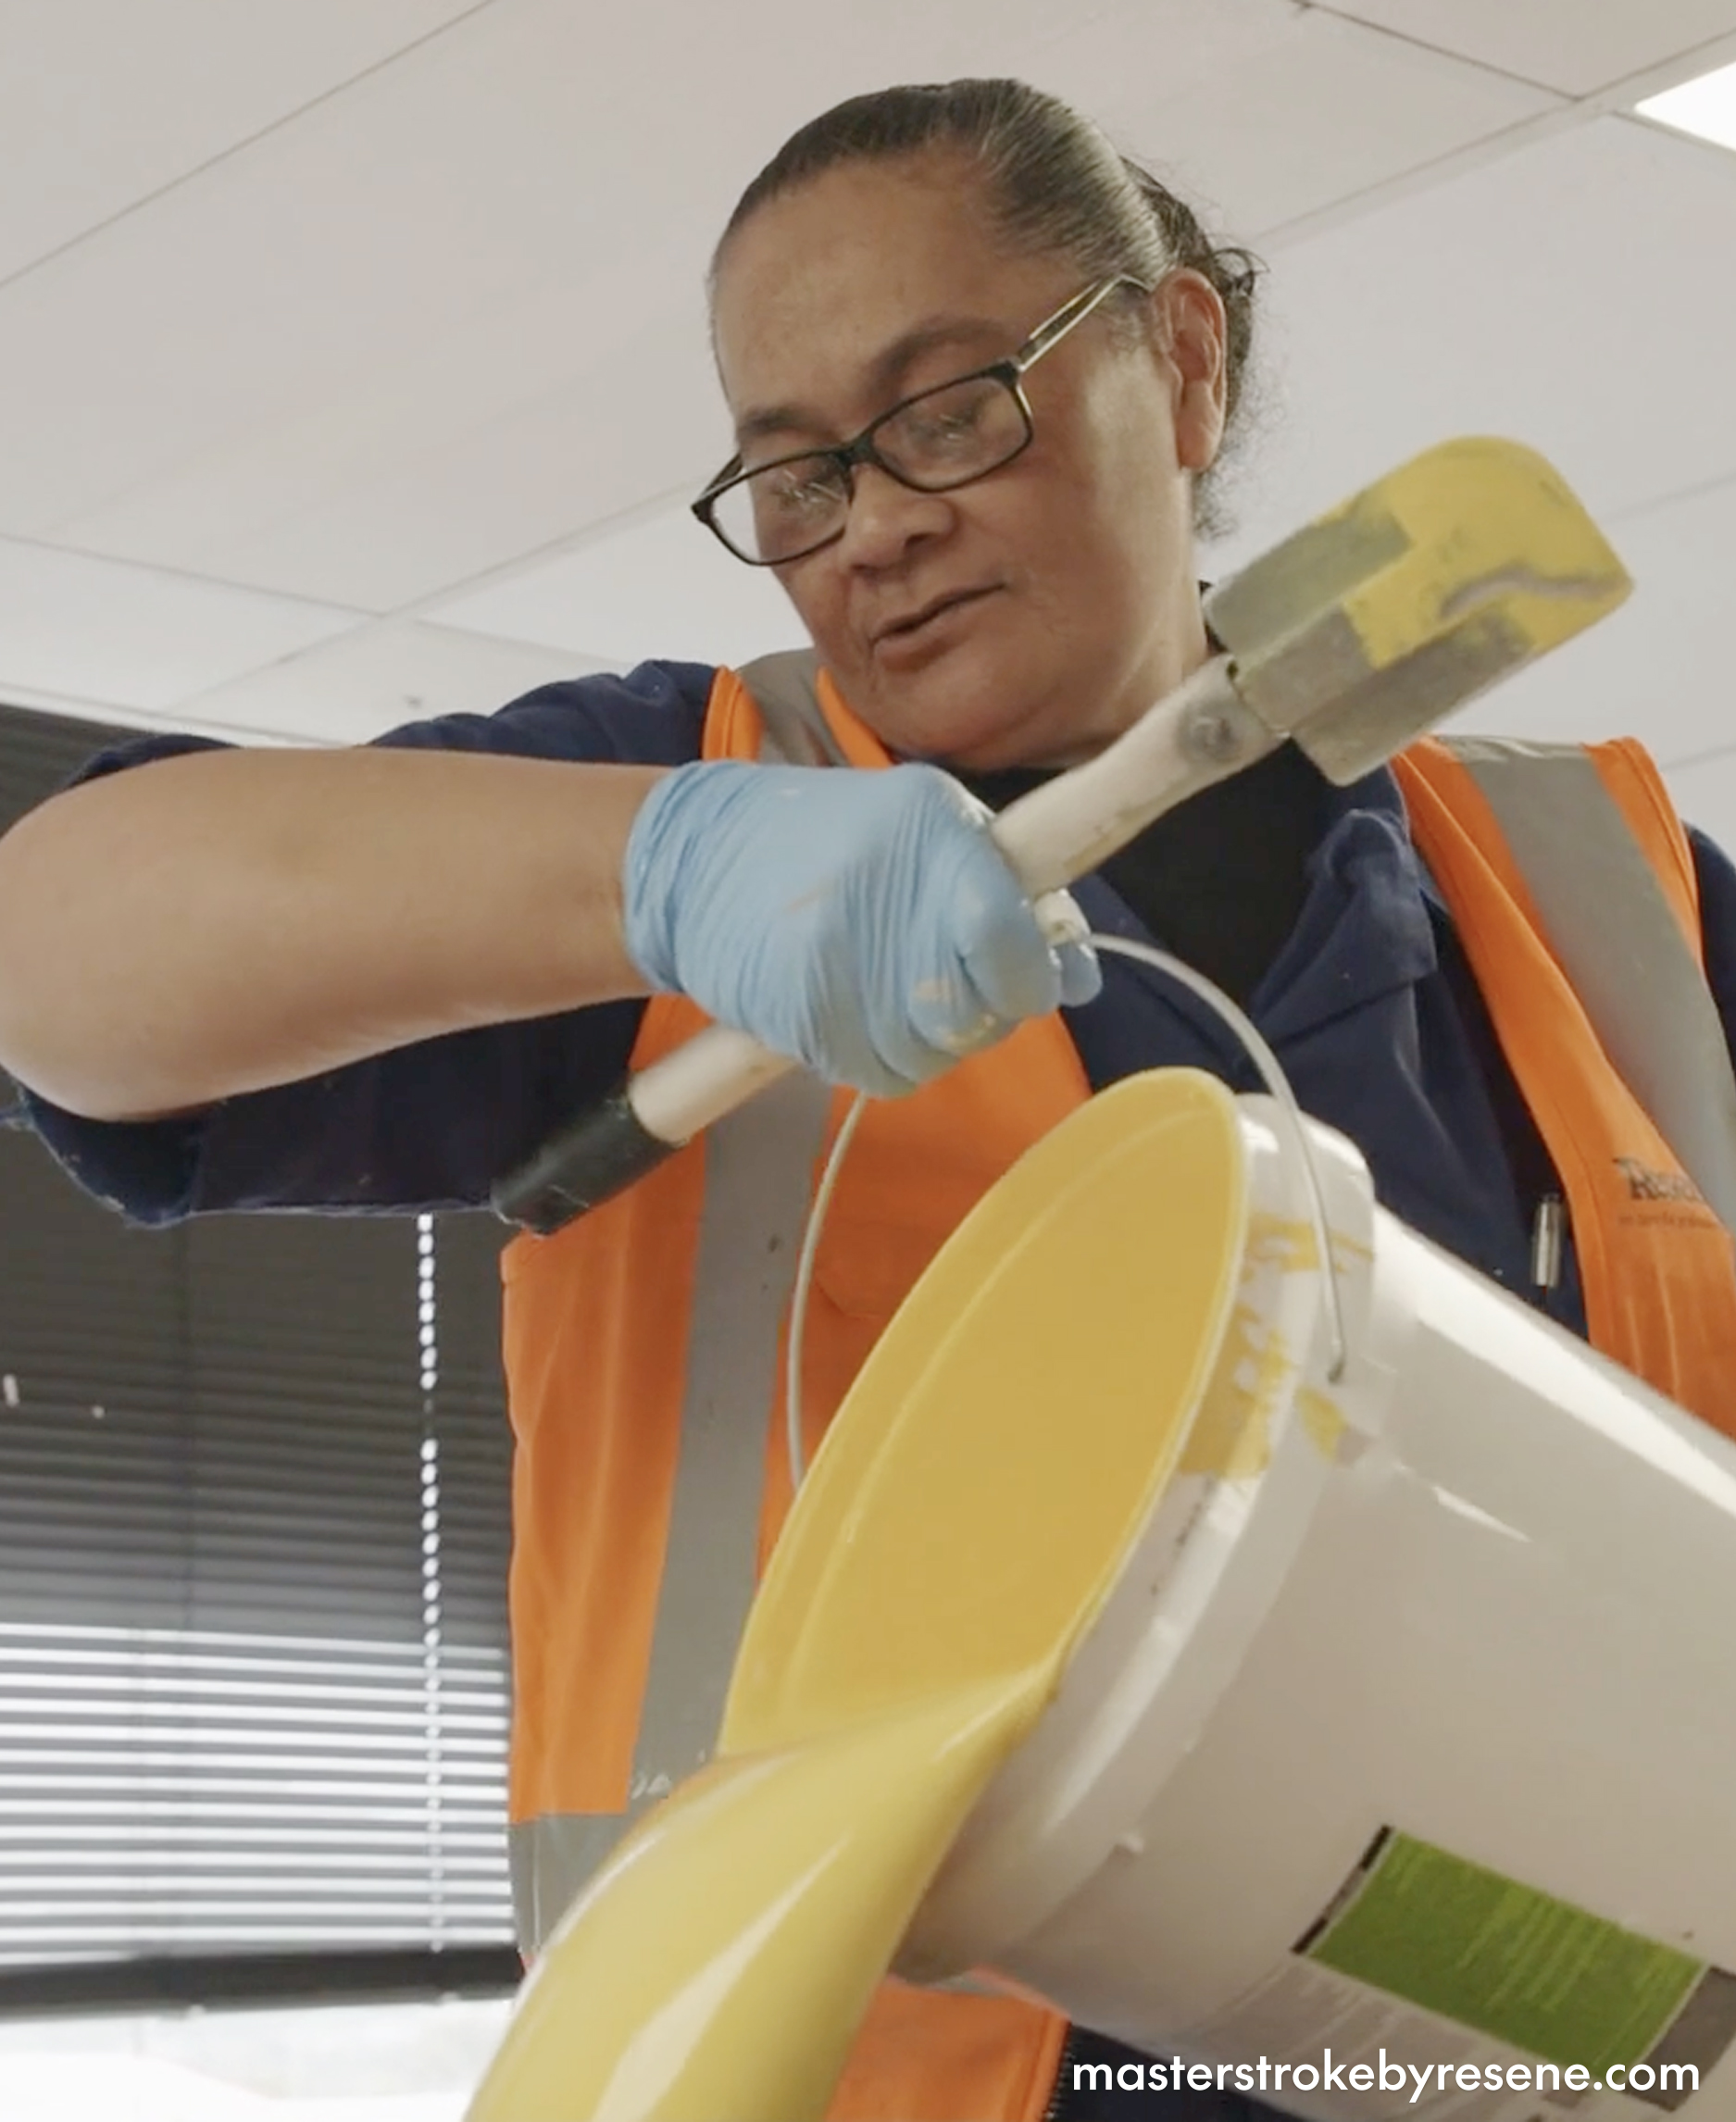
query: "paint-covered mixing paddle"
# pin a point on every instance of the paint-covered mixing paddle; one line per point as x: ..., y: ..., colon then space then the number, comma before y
x: 1350, y: 639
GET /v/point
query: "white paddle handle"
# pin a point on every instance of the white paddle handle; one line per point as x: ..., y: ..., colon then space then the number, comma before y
x: 1196, y: 735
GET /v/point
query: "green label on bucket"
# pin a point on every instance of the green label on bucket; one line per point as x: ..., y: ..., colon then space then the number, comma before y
x: 1502, y: 1958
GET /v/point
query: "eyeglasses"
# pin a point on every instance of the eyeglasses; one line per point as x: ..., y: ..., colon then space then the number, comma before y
x: 944, y: 438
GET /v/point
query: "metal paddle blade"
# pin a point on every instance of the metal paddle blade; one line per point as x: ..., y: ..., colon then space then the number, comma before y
x: 1360, y: 632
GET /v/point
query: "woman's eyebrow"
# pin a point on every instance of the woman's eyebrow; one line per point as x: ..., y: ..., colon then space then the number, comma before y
x: 885, y: 372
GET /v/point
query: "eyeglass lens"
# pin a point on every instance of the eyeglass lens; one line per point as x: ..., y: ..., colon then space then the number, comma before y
x: 942, y: 438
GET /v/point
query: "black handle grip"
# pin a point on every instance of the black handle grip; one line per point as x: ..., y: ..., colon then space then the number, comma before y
x: 601, y: 1153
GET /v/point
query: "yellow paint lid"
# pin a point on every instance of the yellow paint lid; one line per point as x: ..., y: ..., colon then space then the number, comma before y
x: 1008, y: 1435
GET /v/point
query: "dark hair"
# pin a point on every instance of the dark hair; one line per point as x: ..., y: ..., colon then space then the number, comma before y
x: 1053, y: 183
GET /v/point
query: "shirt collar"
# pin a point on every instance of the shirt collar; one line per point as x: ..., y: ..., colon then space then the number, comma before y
x: 1364, y: 928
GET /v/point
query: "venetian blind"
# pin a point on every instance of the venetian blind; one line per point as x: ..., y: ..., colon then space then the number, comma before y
x: 254, y: 1487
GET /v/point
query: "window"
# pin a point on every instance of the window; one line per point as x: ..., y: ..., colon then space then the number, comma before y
x: 254, y: 1494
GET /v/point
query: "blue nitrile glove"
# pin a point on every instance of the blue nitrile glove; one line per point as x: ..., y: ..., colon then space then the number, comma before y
x: 863, y: 922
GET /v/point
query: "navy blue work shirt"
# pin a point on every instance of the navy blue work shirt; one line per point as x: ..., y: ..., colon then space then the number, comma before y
x: 1367, y: 1006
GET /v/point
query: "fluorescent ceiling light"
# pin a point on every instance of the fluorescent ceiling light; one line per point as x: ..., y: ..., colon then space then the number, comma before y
x: 1706, y: 108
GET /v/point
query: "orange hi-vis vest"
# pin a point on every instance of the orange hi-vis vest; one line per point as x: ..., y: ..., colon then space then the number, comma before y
x: 1612, y: 970
x: 645, y: 1348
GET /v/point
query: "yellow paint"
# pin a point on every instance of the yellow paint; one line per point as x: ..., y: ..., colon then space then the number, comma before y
x: 1289, y: 1242
x: 1285, y: 1243
x: 1232, y: 1437
x: 1323, y: 1421
x: 1495, y: 538
x: 1258, y: 1372
x: 960, y: 1530
x: 725, y: 1958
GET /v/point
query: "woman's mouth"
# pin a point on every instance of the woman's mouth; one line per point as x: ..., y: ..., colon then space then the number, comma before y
x: 927, y: 628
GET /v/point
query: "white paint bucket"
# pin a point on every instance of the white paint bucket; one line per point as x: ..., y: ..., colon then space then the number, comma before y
x: 1419, y: 1738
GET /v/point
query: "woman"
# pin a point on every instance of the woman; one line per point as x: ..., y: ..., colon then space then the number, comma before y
x: 980, y: 370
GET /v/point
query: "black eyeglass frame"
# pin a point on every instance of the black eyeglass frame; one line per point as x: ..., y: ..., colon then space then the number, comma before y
x: 1010, y: 373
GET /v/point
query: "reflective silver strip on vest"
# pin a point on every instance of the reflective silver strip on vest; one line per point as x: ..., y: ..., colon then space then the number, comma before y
x: 785, y: 690
x: 760, y: 1175
x: 1619, y: 942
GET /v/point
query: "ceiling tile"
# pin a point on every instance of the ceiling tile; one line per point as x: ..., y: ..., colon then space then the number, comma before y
x: 663, y: 588
x: 106, y: 634
x: 497, y: 438
x: 103, y: 102
x: 1296, y: 112
x: 1561, y: 295
x: 1141, y: 56
x: 1574, y: 46
x: 346, y: 691
x: 273, y: 304
x: 431, y: 325
x: 440, y: 243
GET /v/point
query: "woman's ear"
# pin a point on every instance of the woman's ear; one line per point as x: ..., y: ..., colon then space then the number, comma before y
x: 1191, y: 318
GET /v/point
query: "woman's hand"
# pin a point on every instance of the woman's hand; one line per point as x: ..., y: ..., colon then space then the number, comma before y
x: 863, y: 922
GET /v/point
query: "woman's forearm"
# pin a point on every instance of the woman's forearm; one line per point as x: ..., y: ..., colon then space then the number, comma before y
x: 217, y: 922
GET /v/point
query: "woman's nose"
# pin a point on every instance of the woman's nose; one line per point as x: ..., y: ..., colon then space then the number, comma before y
x: 886, y: 519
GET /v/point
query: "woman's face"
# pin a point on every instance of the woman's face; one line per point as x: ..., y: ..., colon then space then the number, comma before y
x: 1026, y: 618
